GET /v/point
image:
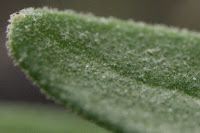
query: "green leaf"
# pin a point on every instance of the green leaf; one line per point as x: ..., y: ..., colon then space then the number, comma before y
x: 123, y: 75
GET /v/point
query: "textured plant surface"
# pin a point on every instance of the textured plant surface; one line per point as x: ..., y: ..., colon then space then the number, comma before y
x: 126, y: 76
x: 24, y: 118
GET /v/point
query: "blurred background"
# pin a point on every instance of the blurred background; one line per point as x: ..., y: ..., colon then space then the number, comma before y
x: 15, y: 87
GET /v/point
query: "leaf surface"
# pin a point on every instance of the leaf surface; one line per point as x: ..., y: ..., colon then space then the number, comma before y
x: 123, y: 75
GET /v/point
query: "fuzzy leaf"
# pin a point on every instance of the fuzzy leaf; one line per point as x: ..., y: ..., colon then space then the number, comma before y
x: 123, y: 75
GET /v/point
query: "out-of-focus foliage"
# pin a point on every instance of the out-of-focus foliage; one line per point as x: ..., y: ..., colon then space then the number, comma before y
x: 24, y: 118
